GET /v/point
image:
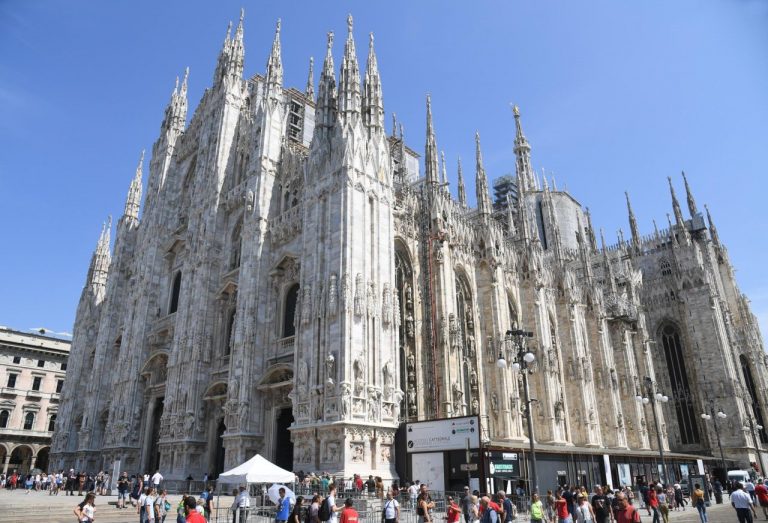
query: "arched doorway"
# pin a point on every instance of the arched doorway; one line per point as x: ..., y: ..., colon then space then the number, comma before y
x: 219, y: 461
x: 153, y: 454
x: 284, y: 448
x: 42, y: 459
x: 21, y: 459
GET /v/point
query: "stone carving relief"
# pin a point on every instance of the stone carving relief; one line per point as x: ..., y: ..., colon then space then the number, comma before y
x: 346, y: 292
x: 386, y: 305
x: 359, y: 294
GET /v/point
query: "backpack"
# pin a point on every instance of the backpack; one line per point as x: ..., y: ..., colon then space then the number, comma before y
x: 324, y: 512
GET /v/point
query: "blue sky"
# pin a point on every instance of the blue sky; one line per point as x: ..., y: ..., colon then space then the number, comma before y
x: 615, y: 96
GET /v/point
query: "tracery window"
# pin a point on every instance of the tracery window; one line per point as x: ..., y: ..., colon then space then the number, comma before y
x: 756, y: 411
x: 175, y: 290
x: 665, y: 267
x: 229, y: 333
x: 678, y: 377
x: 289, y: 311
x: 236, y: 246
x: 406, y: 332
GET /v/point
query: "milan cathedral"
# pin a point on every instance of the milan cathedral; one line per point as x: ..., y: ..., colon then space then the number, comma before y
x: 298, y: 284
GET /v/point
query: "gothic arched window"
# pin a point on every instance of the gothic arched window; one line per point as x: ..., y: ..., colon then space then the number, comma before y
x: 175, y: 290
x: 665, y: 267
x: 289, y: 311
x: 4, y: 415
x: 678, y: 377
x: 29, y: 420
x: 749, y: 382
x: 229, y: 333
x: 236, y: 246
x: 52, y: 423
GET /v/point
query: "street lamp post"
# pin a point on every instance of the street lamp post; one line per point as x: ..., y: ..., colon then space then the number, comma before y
x: 712, y: 416
x: 653, y: 396
x: 752, y: 427
x: 521, y: 361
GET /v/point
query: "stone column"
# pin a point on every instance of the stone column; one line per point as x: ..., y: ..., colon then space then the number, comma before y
x: 5, y: 463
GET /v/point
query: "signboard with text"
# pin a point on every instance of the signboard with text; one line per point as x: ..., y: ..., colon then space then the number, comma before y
x: 503, y: 464
x: 443, y: 434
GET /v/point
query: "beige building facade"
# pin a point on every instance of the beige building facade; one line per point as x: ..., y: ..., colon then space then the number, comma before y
x: 32, y: 371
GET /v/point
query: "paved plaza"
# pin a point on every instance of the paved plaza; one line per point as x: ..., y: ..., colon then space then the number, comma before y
x: 39, y: 507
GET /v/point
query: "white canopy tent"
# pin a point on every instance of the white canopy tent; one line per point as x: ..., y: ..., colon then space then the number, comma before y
x: 257, y: 470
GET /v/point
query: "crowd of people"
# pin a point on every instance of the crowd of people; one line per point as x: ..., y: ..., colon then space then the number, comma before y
x: 56, y: 482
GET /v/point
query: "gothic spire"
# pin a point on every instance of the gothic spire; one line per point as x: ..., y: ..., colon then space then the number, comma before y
x: 232, y: 54
x: 633, y: 225
x: 97, y: 274
x: 591, y: 231
x: 310, y: 89
x: 712, y: 229
x: 689, y: 195
x: 430, y: 149
x: 133, y: 201
x: 679, y: 220
x: 373, y: 101
x: 349, y: 78
x: 523, y: 154
x: 275, y: 63
x: 462, y: 190
x: 481, y: 181
x: 176, y: 110
x: 444, y: 180
x: 326, y: 90
x: 607, y: 266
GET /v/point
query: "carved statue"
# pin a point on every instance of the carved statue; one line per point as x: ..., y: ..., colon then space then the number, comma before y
x: 475, y: 406
x: 332, y: 293
x: 494, y: 402
x: 345, y: 291
x: 388, y: 379
x: 303, y: 375
x: 396, y: 309
x: 386, y: 306
x: 359, y: 373
x: 409, y: 328
x: 470, y: 321
x: 411, y: 362
x: 473, y: 379
x: 470, y: 346
x: 408, y: 297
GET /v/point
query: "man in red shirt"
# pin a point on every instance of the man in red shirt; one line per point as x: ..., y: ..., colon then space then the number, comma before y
x: 561, y: 509
x: 453, y: 511
x: 761, y: 491
x: 625, y: 512
x: 348, y: 514
x: 190, y: 509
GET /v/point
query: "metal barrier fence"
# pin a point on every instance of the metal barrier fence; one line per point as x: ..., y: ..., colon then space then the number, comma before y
x: 369, y: 506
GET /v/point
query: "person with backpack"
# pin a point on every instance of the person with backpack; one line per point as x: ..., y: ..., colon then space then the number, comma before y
x: 328, y: 509
x: 390, y: 513
x: 625, y: 513
x: 489, y: 513
x: 295, y: 516
x: 314, y: 509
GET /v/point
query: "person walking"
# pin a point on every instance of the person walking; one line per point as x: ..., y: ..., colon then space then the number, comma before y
x: 663, y: 505
x: 348, y: 513
x: 85, y: 511
x: 741, y: 501
x: 697, y: 500
x: 761, y: 493
x: 537, y: 509
x: 625, y: 513
x: 561, y: 509
x: 550, y: 506
x: 653, y: 504
x: 466, y: 505
x: 157, y: 478
x: 424, y: 505
x: 243, y: 503
x: 452, y: 509
x: 295, y: 516
x: 601, y: 507
x: 489, y: 514
x: 283, y: 507
x: 391, y: 511
x: 583, y: 510
x: 191, y: 515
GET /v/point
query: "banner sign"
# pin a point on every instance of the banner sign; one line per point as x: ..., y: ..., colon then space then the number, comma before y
x: 444, y: 434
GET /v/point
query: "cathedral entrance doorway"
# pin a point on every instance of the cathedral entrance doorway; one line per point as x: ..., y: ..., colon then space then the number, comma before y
x: 153, y: 451
x: 284, y: 445
x: 218, y: 463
